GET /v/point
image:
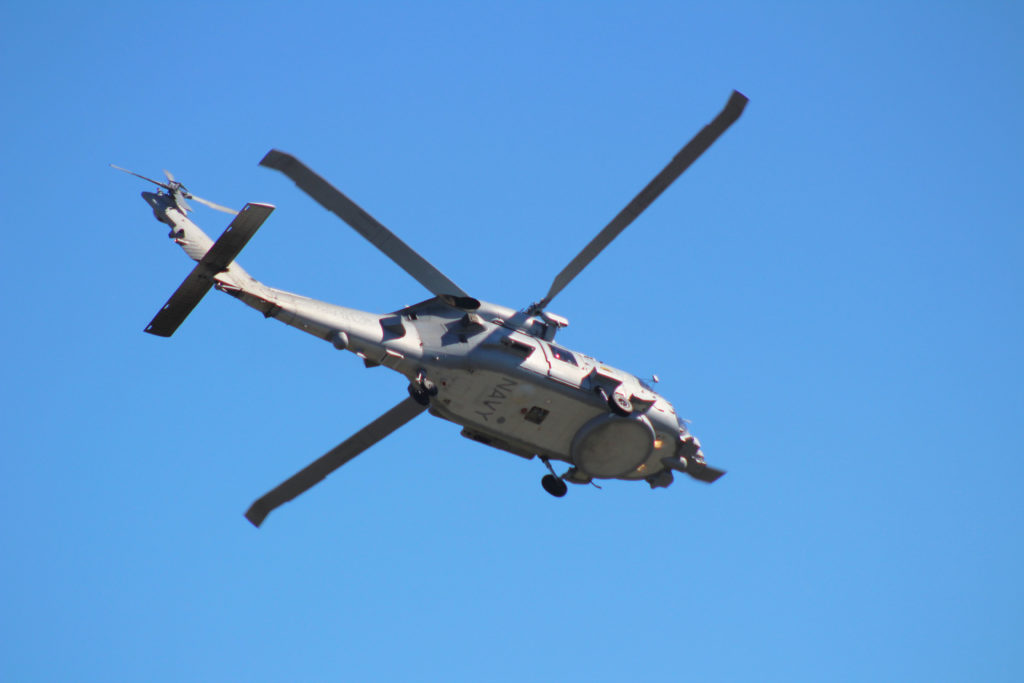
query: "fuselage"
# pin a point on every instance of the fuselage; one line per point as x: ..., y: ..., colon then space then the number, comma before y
x: 497, y: 372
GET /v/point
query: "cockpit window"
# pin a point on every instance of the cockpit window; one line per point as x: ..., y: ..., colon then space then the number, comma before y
x: 563, y: 355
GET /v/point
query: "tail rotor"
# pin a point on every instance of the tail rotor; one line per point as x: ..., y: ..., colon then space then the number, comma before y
x: 178, y: 191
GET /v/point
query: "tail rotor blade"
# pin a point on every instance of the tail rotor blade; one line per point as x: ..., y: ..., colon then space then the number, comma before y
x: 210, y: 204
x: 686, y: 156
x: 176, y: 188
x: 316, y: 471
x: 155, y: 182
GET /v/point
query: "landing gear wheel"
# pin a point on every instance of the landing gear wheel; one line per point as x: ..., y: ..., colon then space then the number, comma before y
x: 419, y: 395
x: 553, y: 485
x: 620, y: 405
x: 421, y: 389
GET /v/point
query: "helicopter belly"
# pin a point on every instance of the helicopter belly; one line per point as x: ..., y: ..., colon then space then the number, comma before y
x: 524, y: 410
x: 527, y: 416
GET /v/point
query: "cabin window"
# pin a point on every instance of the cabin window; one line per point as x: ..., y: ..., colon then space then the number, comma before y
x: 563, y: 355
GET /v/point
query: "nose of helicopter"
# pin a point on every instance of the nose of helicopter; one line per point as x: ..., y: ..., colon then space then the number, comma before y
x: 689, y: 447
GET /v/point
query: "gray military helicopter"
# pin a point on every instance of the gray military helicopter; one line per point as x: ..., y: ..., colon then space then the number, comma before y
x: 494, y: 371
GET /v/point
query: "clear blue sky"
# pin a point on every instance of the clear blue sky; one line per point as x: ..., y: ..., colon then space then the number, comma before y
x: 832, y: 295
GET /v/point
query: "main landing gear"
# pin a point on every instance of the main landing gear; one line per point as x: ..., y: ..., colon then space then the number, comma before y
x: 422, y: 389
x: 552, y: 483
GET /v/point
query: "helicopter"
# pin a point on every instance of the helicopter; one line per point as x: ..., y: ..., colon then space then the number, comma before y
x: 495, y: 371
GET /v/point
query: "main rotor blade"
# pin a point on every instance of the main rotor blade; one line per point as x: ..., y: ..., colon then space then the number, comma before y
x: 333, y: 459
x: 366, y: 225
x: 686, y: 156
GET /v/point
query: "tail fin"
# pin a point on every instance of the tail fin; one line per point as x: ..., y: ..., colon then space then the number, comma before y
x: 215, y: 261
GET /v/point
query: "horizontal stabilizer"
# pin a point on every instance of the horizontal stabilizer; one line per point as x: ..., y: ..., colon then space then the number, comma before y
x: 215, y: 261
